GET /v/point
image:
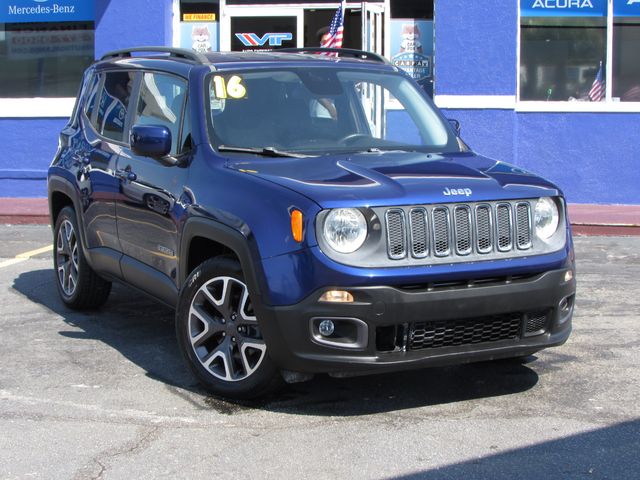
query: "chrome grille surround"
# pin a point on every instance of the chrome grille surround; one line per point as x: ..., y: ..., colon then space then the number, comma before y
x: 524, y: 225
x: 396, y: 234
x: 484, y: 229
x: 462, y: 232
x: 419, y: 228
x: 464, y: 236
x: 441, y: 228
x: 504, y: 227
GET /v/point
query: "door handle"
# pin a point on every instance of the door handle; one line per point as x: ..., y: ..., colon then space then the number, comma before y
x: 126, y: 174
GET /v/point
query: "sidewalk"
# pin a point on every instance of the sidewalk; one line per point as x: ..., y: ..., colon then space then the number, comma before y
x: 586, y: 219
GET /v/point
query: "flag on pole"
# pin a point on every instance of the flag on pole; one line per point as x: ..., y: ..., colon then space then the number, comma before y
x: 333, y: 38
x: 597, y: 92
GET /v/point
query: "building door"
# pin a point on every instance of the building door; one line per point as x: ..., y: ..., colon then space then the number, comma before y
x: 373, y: 27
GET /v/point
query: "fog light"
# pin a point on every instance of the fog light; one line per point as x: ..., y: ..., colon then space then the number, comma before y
x: 564, y: 304
x: 337, y: 296
x: 326, y: 328
x: 568, y: 276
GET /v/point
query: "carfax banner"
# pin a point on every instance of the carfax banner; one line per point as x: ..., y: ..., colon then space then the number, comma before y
x: 38, y: 11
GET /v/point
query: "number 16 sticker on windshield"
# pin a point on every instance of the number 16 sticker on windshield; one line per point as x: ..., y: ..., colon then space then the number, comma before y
x: 231, y: 88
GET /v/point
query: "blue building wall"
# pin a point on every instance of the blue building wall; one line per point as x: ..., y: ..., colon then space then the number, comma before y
x: 28, y: 145
x: 475, y: 47
x: 593, y: 157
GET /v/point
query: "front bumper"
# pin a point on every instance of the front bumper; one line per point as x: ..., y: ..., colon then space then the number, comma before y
x: 389, y: 328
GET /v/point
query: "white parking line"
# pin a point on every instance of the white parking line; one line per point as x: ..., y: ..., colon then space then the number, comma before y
x: 21, y: 257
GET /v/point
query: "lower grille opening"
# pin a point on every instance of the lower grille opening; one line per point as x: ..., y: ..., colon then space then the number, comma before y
x: 390, y: 338
x: 536, y: 323
x: 468, y: 331
x: 451, y: 333
x: 487, y: 281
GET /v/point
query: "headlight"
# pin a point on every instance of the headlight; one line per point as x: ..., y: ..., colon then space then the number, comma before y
x: 345, y: 229
x: 546, y: 218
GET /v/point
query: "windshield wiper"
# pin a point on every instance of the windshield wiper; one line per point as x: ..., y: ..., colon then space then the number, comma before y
x: 265, y: 151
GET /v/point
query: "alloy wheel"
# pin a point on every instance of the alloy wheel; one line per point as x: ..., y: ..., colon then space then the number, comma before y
x: 223, y: 330
x: 67, y: 257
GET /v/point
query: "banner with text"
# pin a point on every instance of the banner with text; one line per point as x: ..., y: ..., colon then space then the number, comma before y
x: 31, y: 11
x: 563, y: 8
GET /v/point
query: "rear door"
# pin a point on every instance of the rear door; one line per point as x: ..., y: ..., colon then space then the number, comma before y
x: 105, y: 117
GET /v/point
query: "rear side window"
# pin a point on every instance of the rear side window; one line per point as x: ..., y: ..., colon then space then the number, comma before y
x: 161, y: 102
x: 113, y: 104
x: 92, y: 93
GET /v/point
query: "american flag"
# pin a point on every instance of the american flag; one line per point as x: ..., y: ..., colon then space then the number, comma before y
x: 597, y: 92
x: 333, y: 39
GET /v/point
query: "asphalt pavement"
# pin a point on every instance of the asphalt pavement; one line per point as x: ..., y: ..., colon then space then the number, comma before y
x: 105, y: 395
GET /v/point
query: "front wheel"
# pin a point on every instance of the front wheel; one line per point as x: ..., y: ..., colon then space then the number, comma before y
x: 219, y: 334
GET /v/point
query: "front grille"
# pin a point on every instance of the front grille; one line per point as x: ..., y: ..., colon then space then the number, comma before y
x: 419, y: 233
x: 396, y: 234
x: 536, y: 322
x: 487, y: 230
x: 440, y: 334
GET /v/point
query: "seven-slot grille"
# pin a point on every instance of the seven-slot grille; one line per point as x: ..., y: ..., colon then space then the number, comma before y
x: 459, y: 229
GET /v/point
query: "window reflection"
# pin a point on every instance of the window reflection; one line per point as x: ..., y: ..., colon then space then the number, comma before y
x: 44, y: 59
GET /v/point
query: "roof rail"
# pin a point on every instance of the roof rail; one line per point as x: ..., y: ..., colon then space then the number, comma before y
x: 341, y: 52
x: 181, y: 53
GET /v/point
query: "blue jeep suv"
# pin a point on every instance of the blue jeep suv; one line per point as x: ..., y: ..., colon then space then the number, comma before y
x: 303, y: 211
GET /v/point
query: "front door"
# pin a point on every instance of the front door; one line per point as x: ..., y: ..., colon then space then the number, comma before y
x: 149, y: 208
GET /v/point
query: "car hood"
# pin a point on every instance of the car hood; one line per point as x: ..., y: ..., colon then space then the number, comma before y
x: 397, y: 178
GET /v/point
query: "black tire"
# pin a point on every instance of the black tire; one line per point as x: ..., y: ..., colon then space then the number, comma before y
x: 219, y: 335
x: 78, y: 285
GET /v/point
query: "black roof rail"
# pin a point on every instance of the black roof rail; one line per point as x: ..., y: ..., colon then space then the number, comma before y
x: 181, y: 53
x: 342, y: 52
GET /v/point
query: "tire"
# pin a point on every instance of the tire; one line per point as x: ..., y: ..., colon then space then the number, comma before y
x: 219, y: 334
x: 78, y: 285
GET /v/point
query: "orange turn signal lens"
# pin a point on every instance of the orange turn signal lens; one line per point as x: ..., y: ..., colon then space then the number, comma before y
x: 296, y: 225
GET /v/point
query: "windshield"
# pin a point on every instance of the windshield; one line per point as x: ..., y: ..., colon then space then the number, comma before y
x: 320, y: 110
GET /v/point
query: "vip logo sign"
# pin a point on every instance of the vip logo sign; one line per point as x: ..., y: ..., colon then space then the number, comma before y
x: 270, y: 39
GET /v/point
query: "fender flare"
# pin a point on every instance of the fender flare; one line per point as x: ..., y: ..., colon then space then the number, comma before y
x: 59, y: 184
x: 235, y: 241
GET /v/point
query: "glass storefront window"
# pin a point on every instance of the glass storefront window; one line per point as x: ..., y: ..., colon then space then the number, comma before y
x: 44, y: 59
x: 560, y: 57
x: 568, y: 53
x: 626, y: 67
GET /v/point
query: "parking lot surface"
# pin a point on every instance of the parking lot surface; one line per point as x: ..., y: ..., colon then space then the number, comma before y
x: 105, y: 395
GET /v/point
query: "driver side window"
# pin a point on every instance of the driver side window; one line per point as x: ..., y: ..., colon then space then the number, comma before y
x: 161, y: 102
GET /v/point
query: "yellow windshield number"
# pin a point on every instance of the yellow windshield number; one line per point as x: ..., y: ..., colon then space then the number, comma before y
x: 232, y: 88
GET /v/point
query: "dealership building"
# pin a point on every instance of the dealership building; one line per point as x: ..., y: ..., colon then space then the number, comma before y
x: 552, y: 86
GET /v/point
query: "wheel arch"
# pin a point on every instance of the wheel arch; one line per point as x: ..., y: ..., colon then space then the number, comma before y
x: 63, y: 194
x: 204, y: 238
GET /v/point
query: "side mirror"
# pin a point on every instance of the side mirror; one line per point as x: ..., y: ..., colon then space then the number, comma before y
x: 150, y: 141
x: 455, y: 124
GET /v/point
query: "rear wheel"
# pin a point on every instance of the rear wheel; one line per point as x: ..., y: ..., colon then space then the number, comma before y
x: 79, y: 286
x: 219, y: 334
